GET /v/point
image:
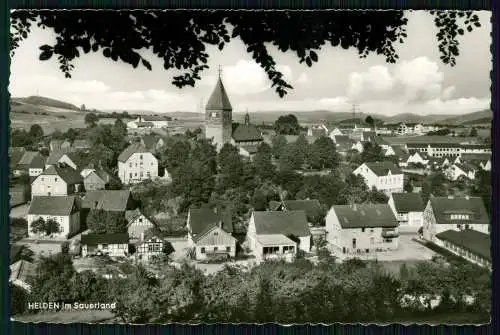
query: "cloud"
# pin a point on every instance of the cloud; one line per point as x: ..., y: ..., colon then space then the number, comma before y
x: 376, y: 79
x: 303, y: 79
x: 448, y: 93
x: 30, y: 85
x: 460, y: 105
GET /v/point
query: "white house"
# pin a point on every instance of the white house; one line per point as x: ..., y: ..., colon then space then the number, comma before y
x: 361, y: 229
x: 138, y: 223
x: 114, y: 245
x: 335, y: 132
x: 403, y: 129
x: 481, y: 160
x: 384, y: 176
x: 151, y: 244
x: 417, y: 158
x: 456, y: 171
x: 210, y: 233
x: 278, y: 234
x: 475, y: 149
x: 471, y: 245
x: 317, y: 130
x: 136, y: 164
x: 454, y: 213
x: 408, y: 208
x: 57, y: 181
x: 64, y: 210
x: 30, y: 163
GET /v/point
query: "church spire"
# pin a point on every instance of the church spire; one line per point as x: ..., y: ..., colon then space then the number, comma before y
x: 219, y: 99
x: 247, y: 118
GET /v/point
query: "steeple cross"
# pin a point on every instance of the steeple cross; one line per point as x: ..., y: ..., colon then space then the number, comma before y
x: 219, y: 70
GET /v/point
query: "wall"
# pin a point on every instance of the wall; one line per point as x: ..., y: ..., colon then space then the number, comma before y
x: 69, y: 225
x: 45, y: 184
x: 370, y: 238
x: 35, y: 172
x: 416, y: 219
x: 200, y: 255
x: 93, y: 182
x: 133, y: 166
x: 139, y: 226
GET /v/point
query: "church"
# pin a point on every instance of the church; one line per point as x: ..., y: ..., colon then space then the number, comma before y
x: 219, y: 125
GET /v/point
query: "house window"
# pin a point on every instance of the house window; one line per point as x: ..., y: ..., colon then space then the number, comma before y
x: 367, y: 250
x: 459, y: 226
x: 130, y: 164
x: 104, y: 246
x: 372, y: 240
x: 154, y: 247
x: 216, y: 233
x: 202, y: 250
x: 371, y: 230
x: 149, y: 174
x: 141, y: 174
x: 215, y: 248
x: 140, y: 220
x: 228, y: 249
x: 140, y: 156
x: 55, y: 179
x: 466, y: 226
x: 130, y: 174
x: 48, y: 193
x: 362, y: 230
x: 135, y: 174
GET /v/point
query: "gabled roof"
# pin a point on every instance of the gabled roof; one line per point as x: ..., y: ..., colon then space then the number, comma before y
x: 81, y: 144
x: 94, y: 239
x: 79, y: 158
x: 342, y: 139
x: 274, y: 205
x: 134, y: 148
x: 365, y: 216
x: 16, y: 153
x: 380, y: 140
x: 223, y: 238
x: 476, y: 157
x: 408, y: 202
x: 383, y: 168
x: 369, y: 135
x: 400, y: 152
x: 57, y: 206
x: 474, y: 241
x: 311, y: 207
x: 131, y: 215
x: 55, y: 156
x: 281, y: 222
x: 201, y: 219
x: 443, y: 207
x: 466, y: 167
x: 108, y: 200
x: 246, y: 132
x: 219, y: 100
x: 66, y: 173
x: 251, y: 149
x: 31, y: 159
x: 150, y: 141
x: 21, y: 270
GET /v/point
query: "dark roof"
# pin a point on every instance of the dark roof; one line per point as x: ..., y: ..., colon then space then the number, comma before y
x: 94, y: 239
x: 443, y: 207
x: 399, y: 151
x: 67, y: 173
x: 475, y: 146
x: 58, y: 206
x: 219, y: 100
x: 445, y: 145
x: 246, y: 132
x: 106, y: 176
x: 274, y: 205
x: 131, y: 215
x: 281, y: 222
x: 311, y: 207
x: 108, y: 200
x: 342, y: 139
x: 79, y: 158
x: 476, y: 157
x: 55, y: 156
x: 408, y: 202
x: 474, y: 241
x: 204, y: 218
x: 155, y: 118
x: 466, y: 167
x: 15, y: 252
x: 31, y: 159
x: 379, y: 140
x: 130, y: 150
x: 150, y: 141
x: 365, y: 216
x: 417, y: 145
x: 383, y: 168
x: 371, y: 135
x: 16, y: 153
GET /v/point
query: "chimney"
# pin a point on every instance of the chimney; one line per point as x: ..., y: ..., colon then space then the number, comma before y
x: 219, y: 224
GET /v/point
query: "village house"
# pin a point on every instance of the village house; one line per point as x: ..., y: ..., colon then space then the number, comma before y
x: 379, y: 140
x: 55, y: 156
x: 246, y: 136
x: 15, y: 155
x: 312, y: 207
x: 444, y: 149
x: 138, y: 223
x: 359, y: 146
x: 403, y: 129
x: 75, y: 159
x: 457, y: 171
x: 82, y: 145
x: 441, y: 163
x: 415, y: 158
x: 361, y: 229
x: 210, y: 233
x: 136, y: 164
x: 31, y: 163
x: 139, y: 128
x: 335, y: 132
x: 109, y: 200
x: 150, y: 244
x: 64, y: 210
x: 20, y: 272
x: 248, y: 151
x: 408, y: 208
x: 482, y: 161
x: 278, y: 234
x: 57, y: 180
x: 475, y: 149
x: 152, y: 142
x: 454, y: 213
x: 342, y: 143
x: 317, y: 130
x: 96, y: 178
x: 471, y: 245
x: 55, y: 145
x: 384, y: 176
x: 113, y: 245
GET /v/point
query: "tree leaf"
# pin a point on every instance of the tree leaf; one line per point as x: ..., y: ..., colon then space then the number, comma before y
x: 146, y: 64
x: 313, y: 56
x: 46, y: 55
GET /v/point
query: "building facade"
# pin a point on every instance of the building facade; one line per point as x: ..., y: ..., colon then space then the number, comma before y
x: 136, y: 164
x: 384, y: 176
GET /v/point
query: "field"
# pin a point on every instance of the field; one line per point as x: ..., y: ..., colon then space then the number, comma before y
x: 25, y: 117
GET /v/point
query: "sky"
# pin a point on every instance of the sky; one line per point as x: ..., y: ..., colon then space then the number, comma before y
x: 418, y: 83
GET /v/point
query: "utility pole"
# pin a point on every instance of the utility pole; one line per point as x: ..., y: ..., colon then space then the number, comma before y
x: 354, y: 114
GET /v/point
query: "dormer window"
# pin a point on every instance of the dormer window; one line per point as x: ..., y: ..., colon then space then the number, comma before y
x: 214, y: 114
x: 55, y: 179
x: 140, y: 156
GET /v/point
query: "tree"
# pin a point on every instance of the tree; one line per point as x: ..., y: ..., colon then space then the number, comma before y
x: 372, y: 152
x: 473, y: 132
x: 100, y: 221
x: 230, y: 166
x: 408, y: 186
x: 377, y: 197
x: 65, y: 247
x: 91, y: 119
x: 323, y: 154
x: 18, y: 299
x: 38, y: 226
x: 354, y: 191
x: 36, y: 132
x: 191, y: 32
x: 370, y: 121
x: 82, y: 108
x: 279, y: 144
x: 287, y: 125
x: 71, y: 134
x: 168, y: 248
x: 262, y: 162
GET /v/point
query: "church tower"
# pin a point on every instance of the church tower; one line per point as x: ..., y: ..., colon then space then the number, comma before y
x: 219, y: 116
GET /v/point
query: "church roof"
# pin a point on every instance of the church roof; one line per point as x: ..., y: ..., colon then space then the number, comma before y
x: 246, y: 132
x: 219, y: 100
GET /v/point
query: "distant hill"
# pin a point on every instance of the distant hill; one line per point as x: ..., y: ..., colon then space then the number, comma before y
x: 414, y: 118
x: 44, y: 101
x: 484, y: 116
